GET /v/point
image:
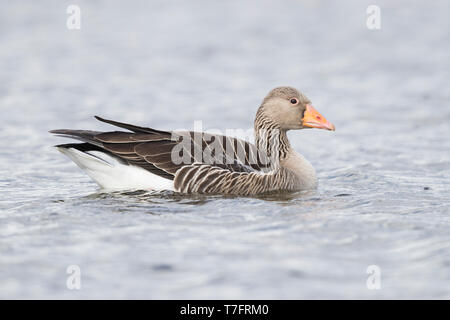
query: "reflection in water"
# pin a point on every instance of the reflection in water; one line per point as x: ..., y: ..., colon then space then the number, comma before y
x: 145, y: 196
x: 158, y: 197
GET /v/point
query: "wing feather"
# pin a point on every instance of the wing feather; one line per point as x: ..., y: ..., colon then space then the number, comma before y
x: 214, y: 159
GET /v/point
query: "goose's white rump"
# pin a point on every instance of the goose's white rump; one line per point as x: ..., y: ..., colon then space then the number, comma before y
x: 111, y: 174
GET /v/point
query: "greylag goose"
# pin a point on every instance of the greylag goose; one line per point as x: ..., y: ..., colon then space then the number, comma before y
x: 197, y: 162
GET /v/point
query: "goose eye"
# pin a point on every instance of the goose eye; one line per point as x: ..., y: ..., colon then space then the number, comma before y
x: 294, y: 101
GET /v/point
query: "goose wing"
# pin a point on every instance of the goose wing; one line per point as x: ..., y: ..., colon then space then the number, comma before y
x: 165, y: 152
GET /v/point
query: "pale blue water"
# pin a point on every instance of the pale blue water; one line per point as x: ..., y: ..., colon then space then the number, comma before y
x: 167, y: 65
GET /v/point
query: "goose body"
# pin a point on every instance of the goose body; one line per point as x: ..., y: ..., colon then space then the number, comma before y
x: 197, y: 162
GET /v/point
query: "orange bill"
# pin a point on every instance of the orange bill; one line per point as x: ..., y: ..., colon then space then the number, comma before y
x: 313, y: 119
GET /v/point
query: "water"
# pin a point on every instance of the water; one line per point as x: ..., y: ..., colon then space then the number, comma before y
x: 384, y: 190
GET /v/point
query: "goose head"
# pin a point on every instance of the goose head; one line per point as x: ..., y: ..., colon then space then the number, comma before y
x: 289, y: 109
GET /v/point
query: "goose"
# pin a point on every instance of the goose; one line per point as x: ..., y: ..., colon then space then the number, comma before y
x: 203, y: 163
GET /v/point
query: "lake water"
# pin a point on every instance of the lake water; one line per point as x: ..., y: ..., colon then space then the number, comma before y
x: 384, y: 183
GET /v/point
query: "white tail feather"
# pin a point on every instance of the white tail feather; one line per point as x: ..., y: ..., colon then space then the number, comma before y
x: 110, y: 173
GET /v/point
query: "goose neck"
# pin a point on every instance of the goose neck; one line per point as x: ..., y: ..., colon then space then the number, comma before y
x: 271, y: 139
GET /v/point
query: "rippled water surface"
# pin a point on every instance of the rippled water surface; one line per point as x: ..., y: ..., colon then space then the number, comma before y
x: 384, y: 190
